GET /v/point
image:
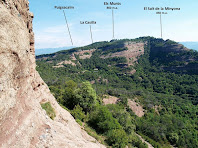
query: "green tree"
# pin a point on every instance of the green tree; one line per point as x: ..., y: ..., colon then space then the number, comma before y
x: 69, y: 94
x: 123, y: 117
x: 78, y: 113
x: 102, y: 120
x: 86, y: 96
x: 117, y: 138
x: 173, y: 138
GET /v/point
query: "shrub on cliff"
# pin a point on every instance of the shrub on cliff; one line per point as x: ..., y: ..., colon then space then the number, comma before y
x: 49, y: 110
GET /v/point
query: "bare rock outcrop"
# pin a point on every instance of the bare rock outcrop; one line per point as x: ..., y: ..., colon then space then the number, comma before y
x: 23, y: 123
x: 133, y: 52
x: 136, y: 108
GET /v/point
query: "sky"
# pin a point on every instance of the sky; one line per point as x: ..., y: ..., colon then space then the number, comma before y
x: 130, y: 21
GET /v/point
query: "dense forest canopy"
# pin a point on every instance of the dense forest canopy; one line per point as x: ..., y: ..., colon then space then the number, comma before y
x: 164, y: 79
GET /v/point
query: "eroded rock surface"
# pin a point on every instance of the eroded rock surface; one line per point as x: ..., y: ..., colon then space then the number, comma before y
x: 136, y: 108
x: 135, y: 50
x: 110, y: 100
x: 23, y: 123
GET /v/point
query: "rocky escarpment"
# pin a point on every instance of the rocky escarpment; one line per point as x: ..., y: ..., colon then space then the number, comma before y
x: 23, y: 123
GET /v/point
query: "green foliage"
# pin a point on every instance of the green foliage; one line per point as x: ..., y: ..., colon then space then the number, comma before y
x: 57, y: 92
x: 123, y: 100
x: 172, y: 57
x: 69, y: 95
x: 173, y: 138
x: 165, y: 79
x: 102, y: 120
x: 65, y: 108
x: 79, y: 122
x: 117, y: 138
x: 86, y: 96
x: 78, y: 113
x: 49, y: 110
x: 86, y: 53
x: 136, y: 141
x: 159, y: 128
x: 125, y: 120
x: 94, y: 134
x: 153, y: 143
x: 112, y: 50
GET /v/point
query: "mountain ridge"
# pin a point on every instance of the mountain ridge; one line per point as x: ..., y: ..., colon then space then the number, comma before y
x: 121, y: 48
x: 159, y: 76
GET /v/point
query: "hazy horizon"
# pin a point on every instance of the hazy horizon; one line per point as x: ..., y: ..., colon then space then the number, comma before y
x: 131, y: 21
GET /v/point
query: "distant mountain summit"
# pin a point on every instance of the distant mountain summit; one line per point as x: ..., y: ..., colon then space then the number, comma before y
x: 164, y: 54
x: 160, y: 75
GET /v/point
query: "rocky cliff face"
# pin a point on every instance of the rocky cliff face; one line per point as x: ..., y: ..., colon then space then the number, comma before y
x: 23, y: 123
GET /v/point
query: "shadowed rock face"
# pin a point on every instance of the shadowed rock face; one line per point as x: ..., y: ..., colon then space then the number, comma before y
x: 23, y: 123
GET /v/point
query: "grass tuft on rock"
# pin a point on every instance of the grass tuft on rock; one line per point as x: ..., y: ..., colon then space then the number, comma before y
x: 49, y: 110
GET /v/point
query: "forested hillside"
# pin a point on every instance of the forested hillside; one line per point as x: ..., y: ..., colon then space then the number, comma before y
x: 160, y: 76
